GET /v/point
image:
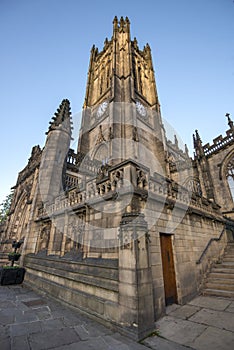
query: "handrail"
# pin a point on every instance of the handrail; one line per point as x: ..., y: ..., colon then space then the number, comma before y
x: 8, y: 241
x: 209, y: 243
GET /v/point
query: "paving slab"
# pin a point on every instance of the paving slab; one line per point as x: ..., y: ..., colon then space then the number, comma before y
x: 26, y: 316
x: 52, y: 324
x: 4, y: 331
x: 6, y: 317
x: 230, y: 308
x: 21, y: 306
x: 124, y: 340
x: 43, y: 313
x: 219, y: 319
x: 27, y: 297
x: 20, y: 342
x: 158, y: 343
x: 214, y: 339
x: 24, y: 328
x: 185, y: 311
x: 211, y: 302
x: 52, y: 339
x: 77, y: 346
x: 9, y: 304
x: 82, y: 332
x: 171, y: 308
x: 6, y: 343
x: 178, y: 330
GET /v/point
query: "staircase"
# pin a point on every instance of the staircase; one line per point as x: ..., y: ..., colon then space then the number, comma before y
x: 4, y: 259
x: 220, y: 281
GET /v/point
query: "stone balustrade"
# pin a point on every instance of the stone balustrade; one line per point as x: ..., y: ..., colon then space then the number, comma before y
x: 169, y: 191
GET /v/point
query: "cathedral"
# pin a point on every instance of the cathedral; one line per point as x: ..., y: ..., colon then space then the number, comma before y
x: 128, y: 223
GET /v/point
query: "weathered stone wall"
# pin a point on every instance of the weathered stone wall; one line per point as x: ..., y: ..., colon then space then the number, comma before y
x: 217, y: 164
x: 90, y: 285
x: 190, y: 232
x: 25, y: 191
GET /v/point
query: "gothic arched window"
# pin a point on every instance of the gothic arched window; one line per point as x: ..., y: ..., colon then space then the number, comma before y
x: 139, y: 79
x: 230, y: 175
x: 101, y: 154
x: 101, y: 85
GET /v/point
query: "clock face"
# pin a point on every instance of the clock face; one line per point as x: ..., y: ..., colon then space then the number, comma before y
x: 141, y: 109
x: 102, y: 109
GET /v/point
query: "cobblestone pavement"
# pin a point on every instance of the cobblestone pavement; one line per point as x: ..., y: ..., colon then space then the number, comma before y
x: 31, y: 321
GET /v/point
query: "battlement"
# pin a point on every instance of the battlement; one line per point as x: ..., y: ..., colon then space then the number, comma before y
x: 219, y: 143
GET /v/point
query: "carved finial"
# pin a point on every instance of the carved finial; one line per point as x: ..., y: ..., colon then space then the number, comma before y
x: 197, y: 135
x: 147, y: 46
x: 106, y: 43
x: 176, y: 141
x: 186, y: 150
x: 194, y: 141
x: 230, y: 122
x: 61, y: 117
x: 127, y: 25
x: 198, y: 144
x: 147, y: 49
x: 135, y: 43
x: 115, y: 24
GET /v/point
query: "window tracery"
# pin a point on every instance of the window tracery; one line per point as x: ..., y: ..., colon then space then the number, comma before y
x: 230, y: 168
x: 230, y: 175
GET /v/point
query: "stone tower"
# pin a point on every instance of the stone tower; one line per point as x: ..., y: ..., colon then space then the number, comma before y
x: 121, y: 103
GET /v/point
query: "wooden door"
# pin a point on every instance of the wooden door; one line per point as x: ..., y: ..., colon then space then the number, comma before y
x: 168, y: 269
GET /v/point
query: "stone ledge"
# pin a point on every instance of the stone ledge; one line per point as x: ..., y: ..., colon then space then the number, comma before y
x: 91, y: 267
x: 94, y: 281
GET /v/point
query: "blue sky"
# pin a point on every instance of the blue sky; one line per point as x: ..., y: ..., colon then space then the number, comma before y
x: 45, y: 46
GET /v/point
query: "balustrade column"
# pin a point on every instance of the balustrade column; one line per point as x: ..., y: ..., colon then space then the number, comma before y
x: 51, y: 241
x: 65, y: 230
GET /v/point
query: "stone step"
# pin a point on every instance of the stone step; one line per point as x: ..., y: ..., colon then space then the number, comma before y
x: 216, y: 275
x: 229, y: 252
x: 220, y: 280
x: 218, y: 293
x: 228, y: 264
x: 220, y: 286
x: 223, y: 271
x: 228, y: 258
x: 224, y: 266
x: 4, y: 262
